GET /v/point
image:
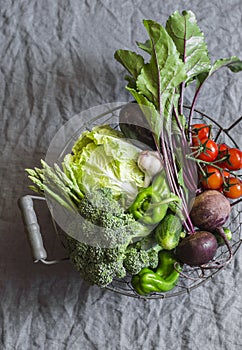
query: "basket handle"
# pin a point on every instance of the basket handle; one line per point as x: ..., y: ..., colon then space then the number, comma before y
x: 32, y: 228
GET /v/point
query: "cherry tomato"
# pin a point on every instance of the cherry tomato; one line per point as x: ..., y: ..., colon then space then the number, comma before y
x: 222, y: 147
x: 222, y: 153
x: 234, y: 160
x: 233, y: 188
x: 213, y: 179
x: 200, y: 132
x: 220, y: 189
x: 210, y: 150
x: 225, y: 174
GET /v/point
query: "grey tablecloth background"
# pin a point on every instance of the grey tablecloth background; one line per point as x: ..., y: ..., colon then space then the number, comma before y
x: 56, y: 59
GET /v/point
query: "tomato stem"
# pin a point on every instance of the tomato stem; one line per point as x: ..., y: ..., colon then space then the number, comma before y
x: 211, y: 163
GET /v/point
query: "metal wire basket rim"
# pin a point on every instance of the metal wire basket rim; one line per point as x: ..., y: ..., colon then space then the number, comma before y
x: 186, y: 290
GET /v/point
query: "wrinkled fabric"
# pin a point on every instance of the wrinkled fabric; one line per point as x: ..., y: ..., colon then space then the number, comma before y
x: 56, y: 60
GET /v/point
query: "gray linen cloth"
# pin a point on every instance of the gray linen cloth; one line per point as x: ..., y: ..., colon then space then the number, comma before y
x: 56, y: 59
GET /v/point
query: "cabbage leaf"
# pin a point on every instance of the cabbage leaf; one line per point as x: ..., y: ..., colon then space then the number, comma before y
x: 103, y: 157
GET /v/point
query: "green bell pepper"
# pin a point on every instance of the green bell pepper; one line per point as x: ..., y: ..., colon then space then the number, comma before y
x: 151, y: 203
x: 163, y: 279
x: 147, y: 207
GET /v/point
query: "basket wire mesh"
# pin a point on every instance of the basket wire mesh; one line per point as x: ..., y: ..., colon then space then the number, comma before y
x: 191, y: 277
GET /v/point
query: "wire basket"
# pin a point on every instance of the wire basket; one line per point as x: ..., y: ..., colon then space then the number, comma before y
x: 191, y: 277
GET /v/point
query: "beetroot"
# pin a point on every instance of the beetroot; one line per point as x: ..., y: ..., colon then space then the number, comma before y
x: 210, y: 210
x: 197, y: 249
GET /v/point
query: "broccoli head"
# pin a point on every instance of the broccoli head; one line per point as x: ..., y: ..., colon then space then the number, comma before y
x: 106, y: 232
x: 143, y: 253
x: 97, y: 265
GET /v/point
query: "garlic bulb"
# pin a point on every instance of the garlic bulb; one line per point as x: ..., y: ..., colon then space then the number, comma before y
x: 151, y: 164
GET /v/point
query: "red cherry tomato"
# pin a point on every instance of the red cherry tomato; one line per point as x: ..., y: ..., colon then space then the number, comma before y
x: 220, y: 189
x: 234, y: 159
x: 225, y: 174
x: 213, y: 179
x: 222, y: 147
x: 233, y: 188
x: 210, y: 150
x: 222, y: 153
x: 200, y: 132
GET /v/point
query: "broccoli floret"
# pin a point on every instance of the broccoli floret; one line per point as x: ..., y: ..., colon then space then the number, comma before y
x: 106, y: 232
x: 97, y: 265
x: 143, y: 253
x: 154, y: 257
x: 135, y: 260
x: 101, y: 209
